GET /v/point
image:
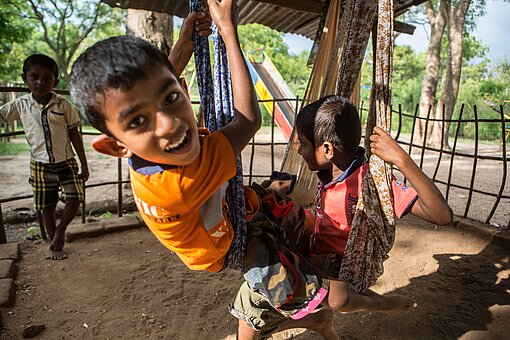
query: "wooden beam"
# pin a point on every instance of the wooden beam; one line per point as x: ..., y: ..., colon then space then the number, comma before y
x: 402, y: 27
x: 309, y: 6
x: 402, y: 7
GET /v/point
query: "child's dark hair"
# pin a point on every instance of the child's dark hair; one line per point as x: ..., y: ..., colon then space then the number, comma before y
x: 331, y: 119
x: 114, y: 63
x: 41, y: 60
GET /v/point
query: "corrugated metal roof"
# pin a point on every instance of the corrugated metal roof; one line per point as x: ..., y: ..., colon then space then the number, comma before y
x: 298, y: 16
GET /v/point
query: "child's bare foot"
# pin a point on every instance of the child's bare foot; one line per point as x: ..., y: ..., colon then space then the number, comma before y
x: 57, y: 245
x: 57, y: 255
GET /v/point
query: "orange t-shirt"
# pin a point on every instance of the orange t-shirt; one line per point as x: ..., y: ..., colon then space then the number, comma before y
x: 185, y: 206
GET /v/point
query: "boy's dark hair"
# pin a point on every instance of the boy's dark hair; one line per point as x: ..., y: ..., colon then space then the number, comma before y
x: 41, y: 60
x: 114, y: 63
x: 331, y: 119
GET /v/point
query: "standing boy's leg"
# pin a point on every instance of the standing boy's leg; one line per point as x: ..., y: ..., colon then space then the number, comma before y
x: 44, y: 182
x: 49, y: 220
x: 58, y: 240
x: 72, y: 185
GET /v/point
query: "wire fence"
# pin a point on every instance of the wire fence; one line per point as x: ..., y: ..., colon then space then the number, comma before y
x: 462, y: 186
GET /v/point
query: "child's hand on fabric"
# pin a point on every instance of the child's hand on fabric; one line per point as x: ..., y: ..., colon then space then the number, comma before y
x: 195, y: 21
x: 384, y: 146
x: 222, y: 13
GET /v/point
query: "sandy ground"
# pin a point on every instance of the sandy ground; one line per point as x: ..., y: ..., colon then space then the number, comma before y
x: 127, y: 286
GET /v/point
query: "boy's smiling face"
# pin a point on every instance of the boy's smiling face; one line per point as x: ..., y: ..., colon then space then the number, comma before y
x: 154, y: 119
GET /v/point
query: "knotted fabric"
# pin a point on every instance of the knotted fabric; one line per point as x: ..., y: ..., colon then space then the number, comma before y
x: 218, y: 107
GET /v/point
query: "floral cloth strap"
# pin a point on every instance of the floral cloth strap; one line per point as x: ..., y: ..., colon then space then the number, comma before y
x: 373, y: 228
x: 218, y: 107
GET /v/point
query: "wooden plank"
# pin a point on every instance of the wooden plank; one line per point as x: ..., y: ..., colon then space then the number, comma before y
x: 402, y: 27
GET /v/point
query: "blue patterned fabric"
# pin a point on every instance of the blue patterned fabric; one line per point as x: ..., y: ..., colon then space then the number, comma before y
x: 218, y: 107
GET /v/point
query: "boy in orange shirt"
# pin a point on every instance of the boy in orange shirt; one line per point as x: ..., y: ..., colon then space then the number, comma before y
x: 130, y: 91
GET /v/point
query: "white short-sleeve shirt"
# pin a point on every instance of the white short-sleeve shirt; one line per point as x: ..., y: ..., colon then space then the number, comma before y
x: 46, y: 127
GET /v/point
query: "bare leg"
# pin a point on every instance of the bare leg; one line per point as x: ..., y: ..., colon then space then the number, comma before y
x: 341, y: 298
x: 58, y: 240
x: 48, y: 215
x: 245, y: 332
x: 320, y: 321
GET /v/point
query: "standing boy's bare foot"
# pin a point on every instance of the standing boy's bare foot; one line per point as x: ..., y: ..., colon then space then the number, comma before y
x: 57, y: 245
x: 57, y: 255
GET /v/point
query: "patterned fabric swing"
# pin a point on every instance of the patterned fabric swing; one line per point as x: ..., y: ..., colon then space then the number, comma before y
x: 218, y: 107
x: 373, y: 227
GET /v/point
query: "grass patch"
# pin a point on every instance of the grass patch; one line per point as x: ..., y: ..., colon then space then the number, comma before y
x: 13, y: 149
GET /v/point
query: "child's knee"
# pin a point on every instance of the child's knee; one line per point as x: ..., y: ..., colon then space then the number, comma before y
x: 340, y: 302
x: 339, y: 297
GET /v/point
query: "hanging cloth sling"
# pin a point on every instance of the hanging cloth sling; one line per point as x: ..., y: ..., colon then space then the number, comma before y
x: 217, y: 105
x: 373, y: 227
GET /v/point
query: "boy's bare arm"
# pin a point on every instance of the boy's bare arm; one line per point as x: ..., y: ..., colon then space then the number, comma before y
x: 75, y: 137
x: 183, y: 47
x: 8, y: 112
x: 430, y: 205
x: 247, y: 118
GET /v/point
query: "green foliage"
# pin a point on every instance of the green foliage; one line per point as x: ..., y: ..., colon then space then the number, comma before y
x: 106, y: 214
x: 481, y: 83
x: 408, y: 68
x: 32, y: 231
x: 13, y: 30
x: 492, y: 88
x: 485, y: 87
x: 61, y: 29
x: 13, y: 149
x: 292, y: 67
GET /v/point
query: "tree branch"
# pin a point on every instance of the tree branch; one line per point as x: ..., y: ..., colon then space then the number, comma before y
x: 429, y: 10
x: 39, y: 17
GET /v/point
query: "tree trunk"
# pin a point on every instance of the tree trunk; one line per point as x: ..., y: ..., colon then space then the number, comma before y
x: 151, y: 26
x: 450, y: 89
x: 433, y: 62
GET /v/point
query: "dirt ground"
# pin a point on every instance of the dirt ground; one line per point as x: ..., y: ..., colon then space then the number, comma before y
x: 127, y: 286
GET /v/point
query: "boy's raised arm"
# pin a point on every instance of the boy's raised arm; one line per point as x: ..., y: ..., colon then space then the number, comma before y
x: 247, y: 118
x: 430, y: 205
x: 183, y: 48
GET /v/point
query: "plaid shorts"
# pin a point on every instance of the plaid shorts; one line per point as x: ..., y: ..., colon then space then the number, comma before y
x: 46, y: 179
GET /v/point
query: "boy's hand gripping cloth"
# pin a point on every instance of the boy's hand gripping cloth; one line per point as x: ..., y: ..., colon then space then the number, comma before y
x: 218, y: 94
x: 373, y: 228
